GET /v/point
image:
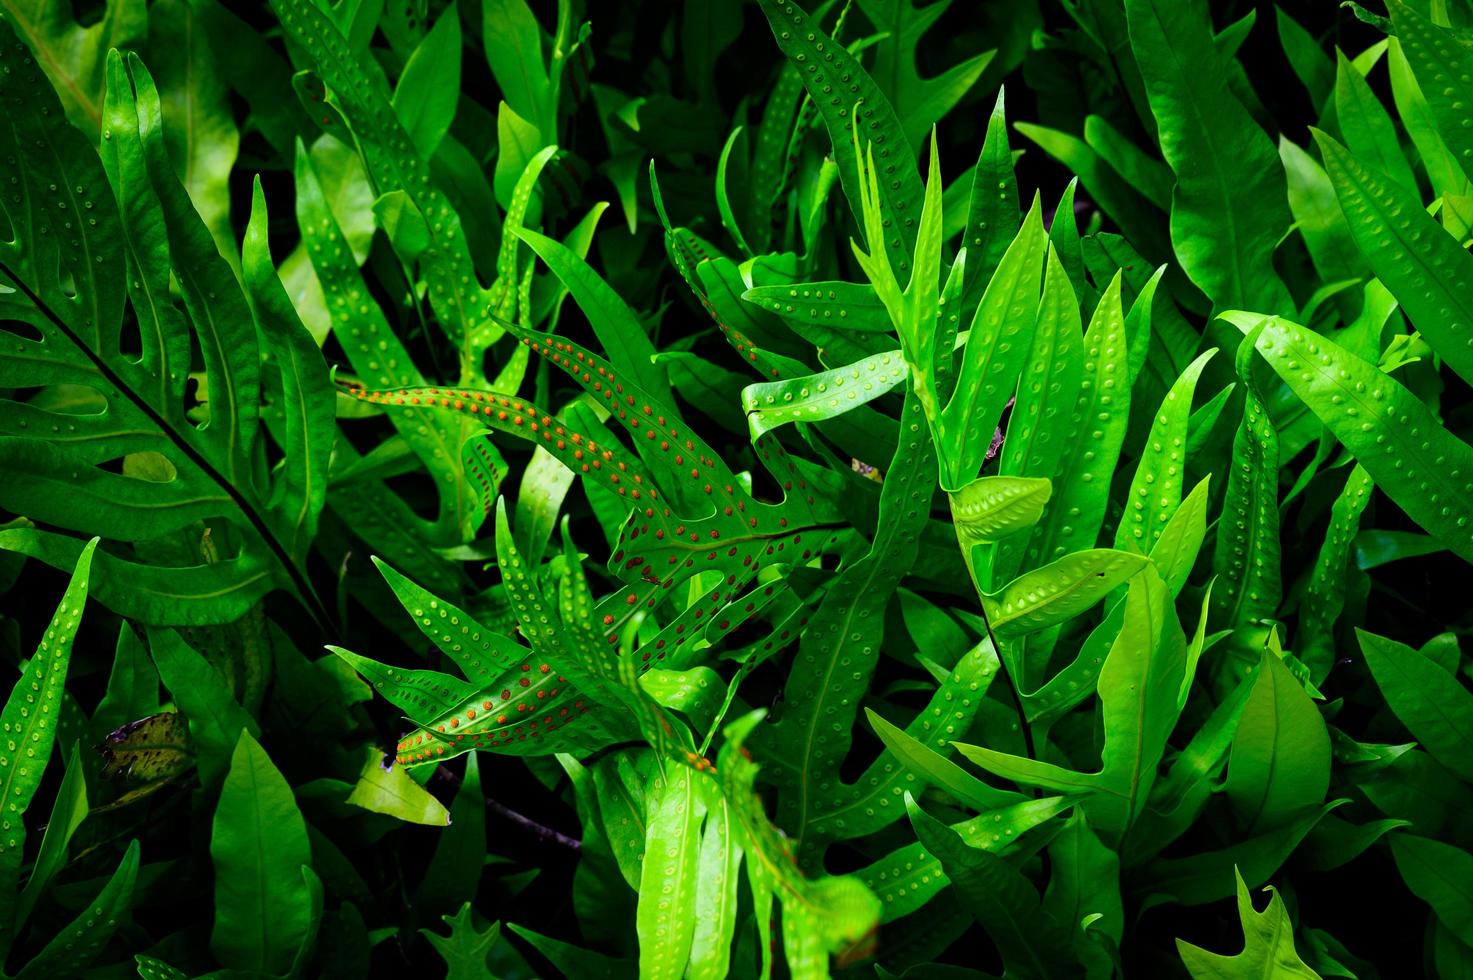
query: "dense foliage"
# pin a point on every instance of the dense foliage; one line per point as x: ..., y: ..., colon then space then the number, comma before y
x: 920, y: 531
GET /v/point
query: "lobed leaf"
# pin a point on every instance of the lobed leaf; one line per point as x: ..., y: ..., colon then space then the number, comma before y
x: 1227, y: 211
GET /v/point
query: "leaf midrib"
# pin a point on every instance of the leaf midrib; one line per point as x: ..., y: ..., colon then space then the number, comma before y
x: 256, y: 520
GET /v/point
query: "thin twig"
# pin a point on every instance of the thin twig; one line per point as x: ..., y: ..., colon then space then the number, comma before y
x: 545, y: 834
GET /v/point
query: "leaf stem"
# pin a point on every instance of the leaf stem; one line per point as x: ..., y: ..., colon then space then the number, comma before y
x: 1002, y: 659
x: 1007, y: 673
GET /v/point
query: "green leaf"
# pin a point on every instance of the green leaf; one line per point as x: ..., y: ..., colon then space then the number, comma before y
x: 1152, y: 178
x: 1050, y: 382
x: 30, y: 719
x: 572, y: 960
x: 1175, y: 551
x: 67, y: 813
x: 513, y: 43
x: 1366, y: 127
x: 836, y: 657
x: 1440, y: 875
x: 1228, y: 209
x: 1317, y: 215
x: 1001, y: 333
x: 715, y: 909
x: 1032, y: 942
x: 824, y: 395
x: 1073, y: 518
x: 429, y: 88
x: 376, y: 354
x: 1202, y: 878
x: 191, y: 595
x: 820, y: 916
x: 1138, y: 688
x: 74, y: 297
x: 992, y: 206
x: 455, y: 870
x: 1334, y: 842
x: 613, y: 322
x: 911, y: 876
x: 1430, y: 702
x: 994, y: 507
x: 1268, y: 945
x: 1084, y: 890
x: 263, y: 904
x: 1421, y: 466
x: 74, y: 56
x: 199, y: 128
x: 933, y: 768
x: 72, y: 950
x: 919, y: 102
x: 1246, y: 561
x: 466, y: 948
x: 1059, y: 591
x: 1444, y: 170
x: 1309, y: 61
x: 1426, y: 269
x: 729, y: 219
x: 1155, y: 489
x: 1442, y: 60
x: 808, y: 47
x: 669, y: 882
x: 392, y: 164
x: 1116, y: 198
x: 422, y: 694
x: 307, y: 398
x: 216, y: 719
x: 859, y: 808
x: 482, y: 654
x: 387, y: 789
x: 1326, y: 592
x: 841, y: 305
x: 1280, y: 761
